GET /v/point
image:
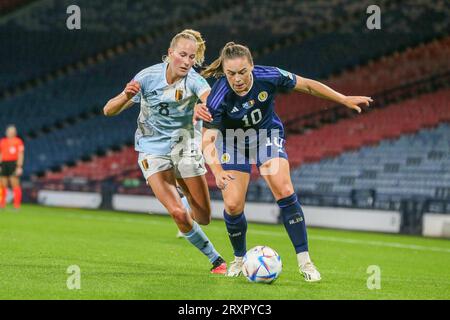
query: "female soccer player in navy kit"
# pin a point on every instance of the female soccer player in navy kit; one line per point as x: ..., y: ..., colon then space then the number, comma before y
x: 166, y: 138
x: 241, y: 107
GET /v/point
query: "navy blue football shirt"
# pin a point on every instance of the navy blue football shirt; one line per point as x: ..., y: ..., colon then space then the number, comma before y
x: 255, y: 110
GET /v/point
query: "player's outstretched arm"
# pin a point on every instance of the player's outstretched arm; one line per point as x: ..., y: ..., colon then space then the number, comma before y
x: 122, y: 101
x: 320, y: 90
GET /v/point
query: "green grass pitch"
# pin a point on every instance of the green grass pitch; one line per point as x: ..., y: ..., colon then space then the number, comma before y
x: 136, y: 256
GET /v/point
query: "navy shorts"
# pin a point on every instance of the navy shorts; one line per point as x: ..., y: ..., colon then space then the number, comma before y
x: 234, y: 156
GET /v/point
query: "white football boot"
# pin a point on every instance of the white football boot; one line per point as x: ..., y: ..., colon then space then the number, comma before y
x: 310, y: 272
x: 180, y: 234
x: 235, y: 268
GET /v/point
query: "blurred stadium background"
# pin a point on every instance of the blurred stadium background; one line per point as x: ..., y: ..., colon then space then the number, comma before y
x: 392, y: 161
x: 386, y: 170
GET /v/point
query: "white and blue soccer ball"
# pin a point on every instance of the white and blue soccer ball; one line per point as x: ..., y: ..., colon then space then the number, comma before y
x: 262, y: 264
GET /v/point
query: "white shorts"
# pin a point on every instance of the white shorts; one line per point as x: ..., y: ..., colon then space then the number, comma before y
x: 184, y: 166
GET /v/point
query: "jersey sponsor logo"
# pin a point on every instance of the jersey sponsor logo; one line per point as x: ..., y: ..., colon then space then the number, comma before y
x: 147, y: 95
x: 12, y: 150
x: 178, y: 95
x: 262, y: 96
x: 249, y: 104
x: 235, y: 109
x: 225, y: 158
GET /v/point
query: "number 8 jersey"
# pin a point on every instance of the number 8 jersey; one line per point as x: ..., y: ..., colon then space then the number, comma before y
x: 254, y: 110
x: 166, y: 110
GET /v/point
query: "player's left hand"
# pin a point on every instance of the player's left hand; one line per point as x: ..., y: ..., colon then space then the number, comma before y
x: 353, y: 102
x: 201, y: 112
x: 19, y: 171
x: 223, y: 178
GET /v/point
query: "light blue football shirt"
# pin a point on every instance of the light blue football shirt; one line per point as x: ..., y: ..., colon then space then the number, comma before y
x: 166, y: 110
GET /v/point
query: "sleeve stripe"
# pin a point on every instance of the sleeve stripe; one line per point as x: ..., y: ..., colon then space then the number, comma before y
x: 266, y: 71
x: 260, y: 76
x: 268, y: 77
x: 219, y: 96
x: 219, y: 99
x: 218, y: 92
x: 272, y: 73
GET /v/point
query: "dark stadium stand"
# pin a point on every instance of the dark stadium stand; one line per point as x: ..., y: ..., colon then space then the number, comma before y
x: 86, y: 93
x: 81, y: 102
x: 7, y: 6
x: 369, y: 128
x: 399, y: 69
x: 104, y: 26
x: 314, y: 30
x: 412, y: 166
x: 64, y: 83
x: 381, y: 127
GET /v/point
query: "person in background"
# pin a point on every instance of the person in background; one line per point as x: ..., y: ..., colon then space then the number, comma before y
x: 11, y: 158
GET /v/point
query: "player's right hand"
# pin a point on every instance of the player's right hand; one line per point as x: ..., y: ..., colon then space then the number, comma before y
x: 133, y: 87
x: 201, y: 112
x: 223, y: 178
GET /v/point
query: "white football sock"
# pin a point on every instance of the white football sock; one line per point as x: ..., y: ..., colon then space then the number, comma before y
x: 303, y: 258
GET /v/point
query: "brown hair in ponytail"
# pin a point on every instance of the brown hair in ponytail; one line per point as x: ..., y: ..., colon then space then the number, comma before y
x: 230, y: 51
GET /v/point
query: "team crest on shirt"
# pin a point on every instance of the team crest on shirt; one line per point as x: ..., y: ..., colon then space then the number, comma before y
x: 178, y: 95
x: 248, y: 104
x: 262, y: 96
x: 225, y: 158
x: 145, y: 164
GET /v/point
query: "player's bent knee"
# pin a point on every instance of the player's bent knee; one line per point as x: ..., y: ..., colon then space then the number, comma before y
x: 233, y: 208
x: 284, y: 192
x: 179, y: 215
x: 202, y: 215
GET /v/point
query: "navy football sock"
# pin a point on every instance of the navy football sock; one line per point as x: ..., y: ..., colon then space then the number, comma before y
x: 237, y: 231
x: 294, y: 222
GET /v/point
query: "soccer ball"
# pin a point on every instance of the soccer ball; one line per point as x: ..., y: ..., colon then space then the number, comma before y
x: 262, y: 264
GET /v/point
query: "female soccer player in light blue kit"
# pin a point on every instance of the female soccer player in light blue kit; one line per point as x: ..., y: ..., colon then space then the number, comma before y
x: 168, y: 142
x: 243, y: 99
